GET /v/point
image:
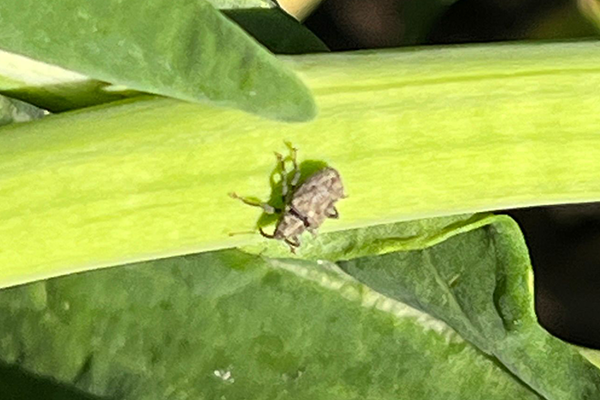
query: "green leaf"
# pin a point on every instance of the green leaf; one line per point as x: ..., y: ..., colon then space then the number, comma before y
x: 12, y: 110
x: 277, y: 31
x: 480, y: 283
x: 184, y: 49
x: 51, y: 87
x: 54, y: 88
x: 375, y: 239
x: 228, y: 325
x: 149, y: 177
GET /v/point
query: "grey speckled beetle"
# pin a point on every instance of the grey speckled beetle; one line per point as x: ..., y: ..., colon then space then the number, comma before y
x: 305, y: 207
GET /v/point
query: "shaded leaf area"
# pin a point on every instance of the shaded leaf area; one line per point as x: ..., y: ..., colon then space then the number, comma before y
x: 18, y: 384
x: 230, y: 325
x: 184, y: 49
x: 480, y: 284
x: 372, y: 240
x: 277, y: 31
x: 52, y: 87
x: 12, y: 110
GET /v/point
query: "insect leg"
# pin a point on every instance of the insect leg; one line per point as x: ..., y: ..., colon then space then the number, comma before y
x: 268, y: 236
x: 284, y: 183
x: 292, y: 242
x: 296, y: 177
x: 266, y: 207
x: 332, y: 212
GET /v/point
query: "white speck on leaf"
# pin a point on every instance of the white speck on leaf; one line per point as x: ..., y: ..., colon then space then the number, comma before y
x: 224, y: 375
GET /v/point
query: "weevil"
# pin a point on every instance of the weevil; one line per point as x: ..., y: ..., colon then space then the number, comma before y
x: 305, y: 206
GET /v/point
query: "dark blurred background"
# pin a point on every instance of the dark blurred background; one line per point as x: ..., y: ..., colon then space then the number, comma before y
x: 564, y: 244
x: 359, y: 24
x: 564, y: 241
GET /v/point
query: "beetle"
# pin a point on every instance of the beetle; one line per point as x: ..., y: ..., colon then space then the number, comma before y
x: 305, y: 207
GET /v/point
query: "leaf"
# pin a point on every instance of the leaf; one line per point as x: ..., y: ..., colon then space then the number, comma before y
x: 375, y: 239
x: 57, y: 89
x: 12, y: 110
x: 17, y: 384
x: 51, y: 87
x: 414, y: 134
x: 277, y: 31
x: 480, y: 284
x: 228, y: 325
x: 184, y: 49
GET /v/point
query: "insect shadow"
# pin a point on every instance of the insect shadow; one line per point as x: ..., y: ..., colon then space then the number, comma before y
x: 301, y: 199
x: 281, y: 176
x: 276, y: 180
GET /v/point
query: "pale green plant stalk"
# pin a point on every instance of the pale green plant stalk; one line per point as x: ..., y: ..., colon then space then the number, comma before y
x: 591, y: 9
x: 299, y: 9
x: 415, y: 133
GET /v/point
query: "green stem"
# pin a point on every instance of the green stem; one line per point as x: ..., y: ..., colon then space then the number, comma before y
x: 417, y: 133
